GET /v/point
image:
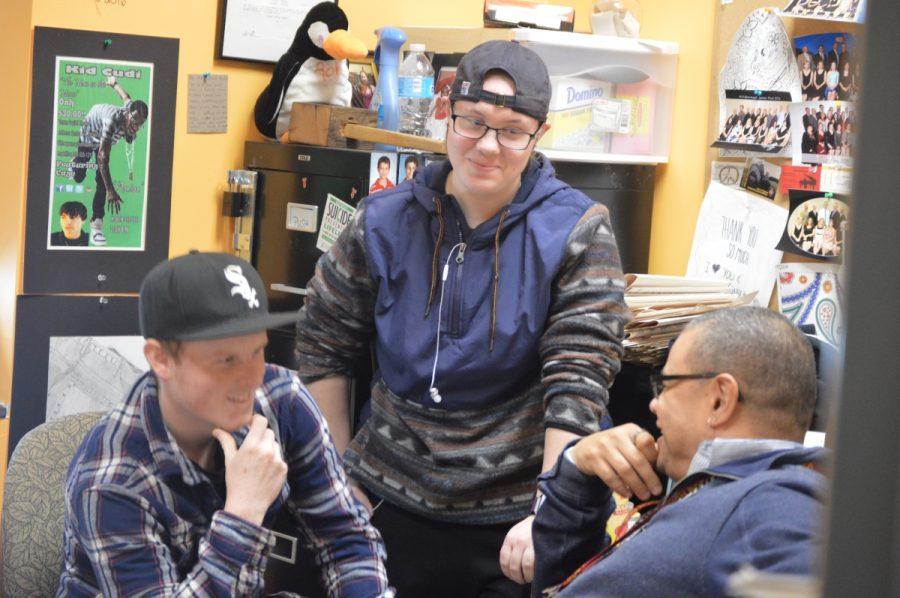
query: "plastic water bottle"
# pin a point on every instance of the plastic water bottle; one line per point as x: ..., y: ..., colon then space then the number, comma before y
x: 416, y: 91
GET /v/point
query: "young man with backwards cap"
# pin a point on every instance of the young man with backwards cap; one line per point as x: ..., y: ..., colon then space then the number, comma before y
x: 172, y: 492
x: 493, y: 296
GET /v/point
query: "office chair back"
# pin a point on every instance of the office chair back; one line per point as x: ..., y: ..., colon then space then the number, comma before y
x: 34, y: 506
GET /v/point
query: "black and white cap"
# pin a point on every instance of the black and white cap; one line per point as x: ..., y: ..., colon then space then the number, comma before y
x: 524, y: 67
x: 205, y: 296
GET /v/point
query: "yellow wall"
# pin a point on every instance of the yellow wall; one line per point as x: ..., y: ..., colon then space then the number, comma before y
x: 15, y: 20
x: 681, y: 184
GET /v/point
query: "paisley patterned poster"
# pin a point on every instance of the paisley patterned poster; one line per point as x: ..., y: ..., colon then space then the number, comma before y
x: 813, y: 294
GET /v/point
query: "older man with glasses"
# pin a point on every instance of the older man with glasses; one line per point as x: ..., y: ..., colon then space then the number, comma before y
x: 492, y: 294
x: 732, y: 404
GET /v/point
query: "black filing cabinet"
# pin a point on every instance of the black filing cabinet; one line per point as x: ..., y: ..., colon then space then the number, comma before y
x: 290, y: 176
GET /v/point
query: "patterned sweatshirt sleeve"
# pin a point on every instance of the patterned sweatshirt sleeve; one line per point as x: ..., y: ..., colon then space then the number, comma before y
x: 581, y: 347
x: 337, y: 322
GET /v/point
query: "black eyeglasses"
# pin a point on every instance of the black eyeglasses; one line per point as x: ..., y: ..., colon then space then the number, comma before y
x: 658, y: 379
x: 509, y: 137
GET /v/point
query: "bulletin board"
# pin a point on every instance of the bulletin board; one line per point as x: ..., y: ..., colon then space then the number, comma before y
x: 728, y: 21
x: 798, y: 276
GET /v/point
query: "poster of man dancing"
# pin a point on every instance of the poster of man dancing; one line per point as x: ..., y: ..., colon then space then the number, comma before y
x: 102, y: 125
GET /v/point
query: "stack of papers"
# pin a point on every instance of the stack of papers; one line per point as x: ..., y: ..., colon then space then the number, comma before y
x: 662, y: 306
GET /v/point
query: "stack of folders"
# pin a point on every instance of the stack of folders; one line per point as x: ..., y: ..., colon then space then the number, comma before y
x: 662, y: 306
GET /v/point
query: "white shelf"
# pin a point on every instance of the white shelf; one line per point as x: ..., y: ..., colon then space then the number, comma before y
x: 588, y: 42
x: 643, y: 71
x: 558, y: 155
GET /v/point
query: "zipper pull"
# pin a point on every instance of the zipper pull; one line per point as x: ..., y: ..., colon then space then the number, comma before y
x: 461, y: 255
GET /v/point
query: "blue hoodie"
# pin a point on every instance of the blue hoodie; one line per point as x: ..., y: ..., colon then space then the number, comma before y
x: 530, y: 336
x: 762, y: 511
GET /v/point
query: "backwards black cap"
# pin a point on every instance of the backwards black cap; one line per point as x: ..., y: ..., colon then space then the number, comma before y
x: 524, y: 67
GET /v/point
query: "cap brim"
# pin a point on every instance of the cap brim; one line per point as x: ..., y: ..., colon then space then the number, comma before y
x: 239, y: 327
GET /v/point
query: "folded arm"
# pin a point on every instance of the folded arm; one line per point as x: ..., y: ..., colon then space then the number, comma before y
x: 330, y: 520
x: 129, y: 549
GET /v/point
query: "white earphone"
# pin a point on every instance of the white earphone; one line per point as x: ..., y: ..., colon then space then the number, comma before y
x: 432, y: 389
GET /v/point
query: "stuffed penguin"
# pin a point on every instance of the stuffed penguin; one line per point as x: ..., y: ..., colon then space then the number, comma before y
x: 313, y: 70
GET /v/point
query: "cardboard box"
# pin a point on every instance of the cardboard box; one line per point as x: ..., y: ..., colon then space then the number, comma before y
x: 320, y: 124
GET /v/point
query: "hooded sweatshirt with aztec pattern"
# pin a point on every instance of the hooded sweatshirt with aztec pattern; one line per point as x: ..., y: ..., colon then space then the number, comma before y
x: 531, y: 322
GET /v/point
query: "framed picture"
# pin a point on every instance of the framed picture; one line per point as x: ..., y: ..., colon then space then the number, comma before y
x: 260, y: 30
x: 100, y: 160
x: 72, y: 354
x: 363, y: 77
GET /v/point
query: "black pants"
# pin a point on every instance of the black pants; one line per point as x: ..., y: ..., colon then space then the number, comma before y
x: 433, y: 559
x: 84, y: 155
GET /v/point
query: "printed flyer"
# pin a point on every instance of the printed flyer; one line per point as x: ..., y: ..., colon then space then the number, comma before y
x: 101, y: 149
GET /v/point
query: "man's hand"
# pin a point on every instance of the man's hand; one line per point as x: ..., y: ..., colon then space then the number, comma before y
x: 113, y: 200
x: 623, y: 457
x: 111, y: 81
x: 517, y: 554
x: 255, y: 473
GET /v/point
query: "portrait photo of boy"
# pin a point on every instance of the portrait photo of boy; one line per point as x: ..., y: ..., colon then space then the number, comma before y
x: 382, y: 172
x: 72, y: 215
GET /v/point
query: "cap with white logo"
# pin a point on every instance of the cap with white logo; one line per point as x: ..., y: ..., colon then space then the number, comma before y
x: 205, y: 296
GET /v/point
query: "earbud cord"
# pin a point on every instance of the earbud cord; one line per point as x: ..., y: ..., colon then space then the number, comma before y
x: 432, y: 390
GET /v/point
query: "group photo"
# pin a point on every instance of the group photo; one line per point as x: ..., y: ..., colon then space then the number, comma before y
x: 828, y: 132
x: 828, y: 69
x: 756, y: 125
x: 818, y: 227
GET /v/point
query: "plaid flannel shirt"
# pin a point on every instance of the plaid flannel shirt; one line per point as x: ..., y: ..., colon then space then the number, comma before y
x: 141, y: 518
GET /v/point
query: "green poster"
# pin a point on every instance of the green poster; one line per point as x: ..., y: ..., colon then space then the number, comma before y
x: 101, y: 148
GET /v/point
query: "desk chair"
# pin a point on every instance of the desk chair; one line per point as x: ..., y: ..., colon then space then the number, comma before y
x: 34, y: 506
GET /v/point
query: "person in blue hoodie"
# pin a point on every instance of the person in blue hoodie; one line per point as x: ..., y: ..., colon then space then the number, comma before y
x: 732, y: 403
x: 492, y: 295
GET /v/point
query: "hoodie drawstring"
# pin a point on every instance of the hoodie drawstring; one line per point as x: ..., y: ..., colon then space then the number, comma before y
x: 496, y: 277
x: 434, y: 257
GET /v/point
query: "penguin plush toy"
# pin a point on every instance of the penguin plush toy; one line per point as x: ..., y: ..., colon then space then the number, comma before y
x: 313, y: 70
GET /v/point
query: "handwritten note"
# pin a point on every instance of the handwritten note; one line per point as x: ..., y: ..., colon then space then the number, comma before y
x: 735, y: 241
x: 207, y: 104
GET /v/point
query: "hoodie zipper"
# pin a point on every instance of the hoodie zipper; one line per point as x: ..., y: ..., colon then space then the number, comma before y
x: 456, y: 303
